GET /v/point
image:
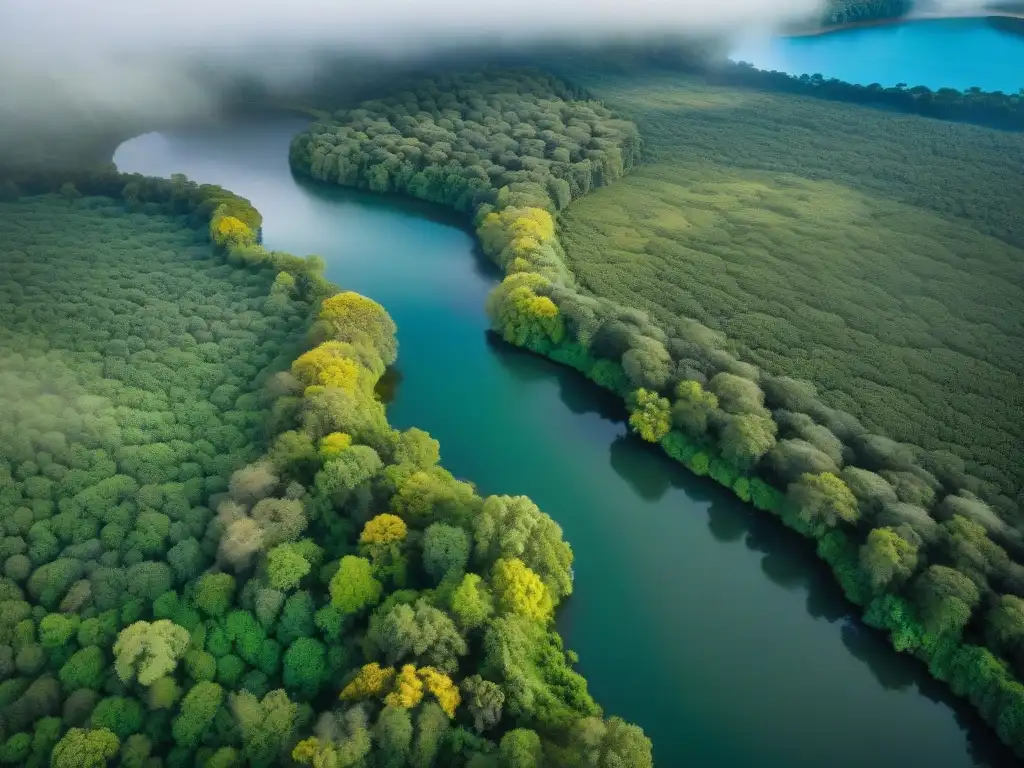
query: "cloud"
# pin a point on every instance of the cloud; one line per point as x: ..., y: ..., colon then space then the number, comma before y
x: 73, y: 64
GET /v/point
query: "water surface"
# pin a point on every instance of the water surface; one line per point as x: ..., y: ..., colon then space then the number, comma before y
x: 948, y: 53
x: 695, y: 616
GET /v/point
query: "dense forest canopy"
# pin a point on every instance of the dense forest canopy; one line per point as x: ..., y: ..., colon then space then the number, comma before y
x: 217, y: 552
x: 930, y: 547
x: 457, y: 139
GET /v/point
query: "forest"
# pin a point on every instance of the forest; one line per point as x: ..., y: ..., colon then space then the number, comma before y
x: 815, y: 408
x: 216, y: 551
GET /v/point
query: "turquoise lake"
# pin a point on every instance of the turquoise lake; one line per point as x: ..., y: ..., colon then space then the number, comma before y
x: 948, y: 53
x: 694, y: 616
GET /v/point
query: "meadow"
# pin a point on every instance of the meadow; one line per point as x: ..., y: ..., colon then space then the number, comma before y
x: 875, y: 254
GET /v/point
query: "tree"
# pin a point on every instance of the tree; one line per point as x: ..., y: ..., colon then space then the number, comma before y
x: 746, y: 438
x: 471, y: 602
x: 944, y: 598
x: 383, y: 529
x: 286, y: 567
x: 242, y: 539
x: 252, y: 483
x: 821, y: 502
x: 305, y: 667
x: 442, y: 689
x: 84, y: 748
x: 887, y: 557
x: 340, y: 477
x: 215, y: 593
x: 484, y: 700
x: 611, y: 743
x: 353, y: 586
x: 332, y: 445
x: 121, y: 715
x: 693, y: 407
x: 650, y: 415
x: 424, y: 634
x: 1004, y: 624
x: 372, y: 680
x: 736, y: 394
x: 408, y: 689
x: 356, y: 319
x: 519, y: 590
x: 392, y: 734
x: 445, y: 550
x: 520, y: 748
x: 163, y: 693
x: 85, y: 669
x: 266, y: 725
x: 147, y: 651
x: 56, y: 629
x: 513, y: 526
x: 432, y: 728
x: 281, y: 520
x: 198, y: 709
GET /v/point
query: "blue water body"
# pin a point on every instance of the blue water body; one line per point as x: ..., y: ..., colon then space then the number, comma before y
x: 949, y: 53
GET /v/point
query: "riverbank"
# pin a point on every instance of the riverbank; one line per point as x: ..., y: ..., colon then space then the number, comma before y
x: 909, y: 18
x: 769, y: 439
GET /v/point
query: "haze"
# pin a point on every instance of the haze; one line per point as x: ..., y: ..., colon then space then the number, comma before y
x: 80, y: 63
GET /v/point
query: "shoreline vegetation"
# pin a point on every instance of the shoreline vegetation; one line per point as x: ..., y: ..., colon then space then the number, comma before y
x: 909, y: 18
x: 931, y: 554
x: 339, y: 600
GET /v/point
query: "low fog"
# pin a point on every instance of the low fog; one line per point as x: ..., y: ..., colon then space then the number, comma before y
x: 70, y: 66
x: 155, y: 60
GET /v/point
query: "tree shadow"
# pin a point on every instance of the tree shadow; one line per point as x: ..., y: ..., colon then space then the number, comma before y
x: 388, y: 385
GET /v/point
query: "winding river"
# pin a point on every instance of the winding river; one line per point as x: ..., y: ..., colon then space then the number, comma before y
x: 695, y: 616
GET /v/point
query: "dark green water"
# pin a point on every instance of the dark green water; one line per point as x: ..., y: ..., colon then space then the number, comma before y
x: 694, y: 616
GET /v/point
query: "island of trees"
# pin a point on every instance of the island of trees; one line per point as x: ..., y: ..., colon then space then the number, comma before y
x: 931, y: 551
x: 215, y: 550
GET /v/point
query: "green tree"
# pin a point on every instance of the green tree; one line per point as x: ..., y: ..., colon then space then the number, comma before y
x: 215, y: 593
x: 84, y: 748
x: 484, y: 700
x: 422, y: 634
x: 445, y: 550
x: 86, y: 668
x: 887, y: 557
x: 266, y: 725
x: 521, y: 748
x: 121, y: 715
x: 944, y: 598
x: 821, y: 502
x: 286, y: 566
x: 305, y: 667
x: 746, y: 438
x: 649, y: 415
x: 198, y: 709
x: 147, y: 651
x: 471, y: 602
x: 353, y: 586
x: 611, y: 743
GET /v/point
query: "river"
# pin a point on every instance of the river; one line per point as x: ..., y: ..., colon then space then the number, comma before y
x: 694, y: 615
x: 946, y: 53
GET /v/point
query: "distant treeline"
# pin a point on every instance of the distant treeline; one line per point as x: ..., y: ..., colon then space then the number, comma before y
x: 906, y: 532
x: 852, y: 11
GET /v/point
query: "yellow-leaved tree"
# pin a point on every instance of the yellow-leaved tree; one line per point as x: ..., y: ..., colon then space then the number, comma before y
x: 519, y: 590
